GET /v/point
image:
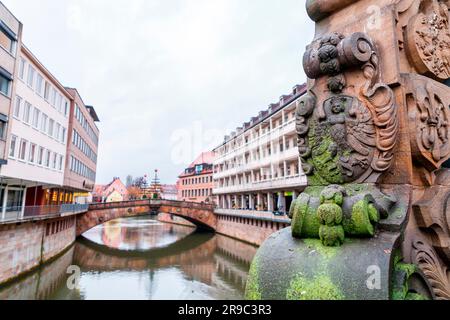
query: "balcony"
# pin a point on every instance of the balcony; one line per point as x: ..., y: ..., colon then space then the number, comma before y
x: 31, y: 213
x: 265, y: 185
x: 274, y: 134
x: 257, y: 215
x: 275, y: 159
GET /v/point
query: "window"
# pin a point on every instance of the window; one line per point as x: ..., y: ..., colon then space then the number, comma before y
x: 53, y: 97
x: 44, y: 120
x: 60, y: 164
x: 51, y: 124
x: 36, y: 115
x: 40, y: 156
x: 47, y: 91
x: 39, y: 85
x: 47, y: 158
x: 12, y: 147
x: 23, y: 149
x: 54, y: 161
x: 16, y: 113
x: 57, y: 131
x: 30, y: 79
x: 32, y: 153
x: 22, y: 65
x: 7, y: 39
x: 27, y: 112
x: 3, y: 126
x: 66, y: 108
x: 4, y: 84
x: 63, y: 136
x: 59, y: 102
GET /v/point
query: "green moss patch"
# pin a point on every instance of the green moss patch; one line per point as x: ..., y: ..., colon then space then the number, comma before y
x: 326, y: 252
x: 252, y: 291
x: 319, y: 288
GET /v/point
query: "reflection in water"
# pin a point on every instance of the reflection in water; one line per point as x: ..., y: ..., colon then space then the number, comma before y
x: 140, y: 258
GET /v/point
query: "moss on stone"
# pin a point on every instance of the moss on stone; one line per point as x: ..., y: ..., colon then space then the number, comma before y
x: 252, y: 291
x: 300, y: 207
x: 330, y: 214
x: 326, y: 167
x: 332, y: 236
x: 326, y: 252
x: 415, y: 296
x: 320, y: 287
x: 305, y: 223
x: 360, y: 223
x: 401, y: 274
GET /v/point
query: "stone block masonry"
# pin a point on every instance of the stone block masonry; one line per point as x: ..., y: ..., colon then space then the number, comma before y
x: 251, y: 230
x: 23, y: 247
x: 169, y: 218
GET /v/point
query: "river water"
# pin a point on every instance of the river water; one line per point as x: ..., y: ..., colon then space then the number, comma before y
x: 141, y: 258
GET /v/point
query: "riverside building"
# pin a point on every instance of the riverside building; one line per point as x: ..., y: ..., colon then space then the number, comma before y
x: 82, y: 148
x: 37, y: 139
x: 36, y: 123
x: 10, y: 40
x: 258, y: 167
x: 195, y: 184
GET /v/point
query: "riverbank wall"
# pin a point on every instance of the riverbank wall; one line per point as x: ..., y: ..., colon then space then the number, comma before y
x: 252, y: 229
x: 169, y: 218
x: 27, y: 245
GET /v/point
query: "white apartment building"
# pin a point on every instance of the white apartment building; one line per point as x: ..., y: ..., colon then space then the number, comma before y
x: 258, y: 167
x: 38, y: 137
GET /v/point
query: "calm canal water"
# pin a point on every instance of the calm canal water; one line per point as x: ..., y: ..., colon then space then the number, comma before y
x: 141, y: 258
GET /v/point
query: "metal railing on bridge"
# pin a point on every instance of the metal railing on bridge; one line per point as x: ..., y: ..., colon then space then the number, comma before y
x: 18, y: 213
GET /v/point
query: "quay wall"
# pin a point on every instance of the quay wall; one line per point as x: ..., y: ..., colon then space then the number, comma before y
x: 25, y: 246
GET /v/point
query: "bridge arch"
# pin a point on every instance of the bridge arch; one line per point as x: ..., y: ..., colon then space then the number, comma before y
x: 201, y: 215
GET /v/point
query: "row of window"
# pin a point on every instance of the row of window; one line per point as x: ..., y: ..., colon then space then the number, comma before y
x: 81, y: 144
x: 43, y: 88
x: 24, y: 111
x: 256, y: 134
x: 32, y: 153
x: 196, y: 193
x: 197, y: 180
x: 266, y: 175
x: 81, y: 169
x: 85, y: 124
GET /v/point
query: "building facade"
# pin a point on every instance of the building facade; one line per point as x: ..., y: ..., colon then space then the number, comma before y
x: 37, y: 139
x: 258, y: 167
x: 35, y: 127
x: 115, y: 191
x: 10, y: 41
x: 195, y: 184
x: 82, y: 148
x: 169, y: 192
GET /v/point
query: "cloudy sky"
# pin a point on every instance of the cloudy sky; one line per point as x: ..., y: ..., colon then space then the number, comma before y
x: 168, y: 78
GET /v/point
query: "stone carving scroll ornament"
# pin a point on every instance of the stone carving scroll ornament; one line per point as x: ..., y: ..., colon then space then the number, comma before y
x: 346, y: 138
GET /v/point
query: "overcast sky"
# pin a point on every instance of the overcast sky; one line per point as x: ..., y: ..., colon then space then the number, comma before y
x: 168, y: 78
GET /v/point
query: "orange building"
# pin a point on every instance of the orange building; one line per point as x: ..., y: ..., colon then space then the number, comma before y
x: 195, y: 184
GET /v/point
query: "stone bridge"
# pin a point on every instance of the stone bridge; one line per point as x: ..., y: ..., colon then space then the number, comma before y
x: 201, y: 215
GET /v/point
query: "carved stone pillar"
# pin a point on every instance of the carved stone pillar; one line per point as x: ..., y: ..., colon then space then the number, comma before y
x: 373, y: 132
